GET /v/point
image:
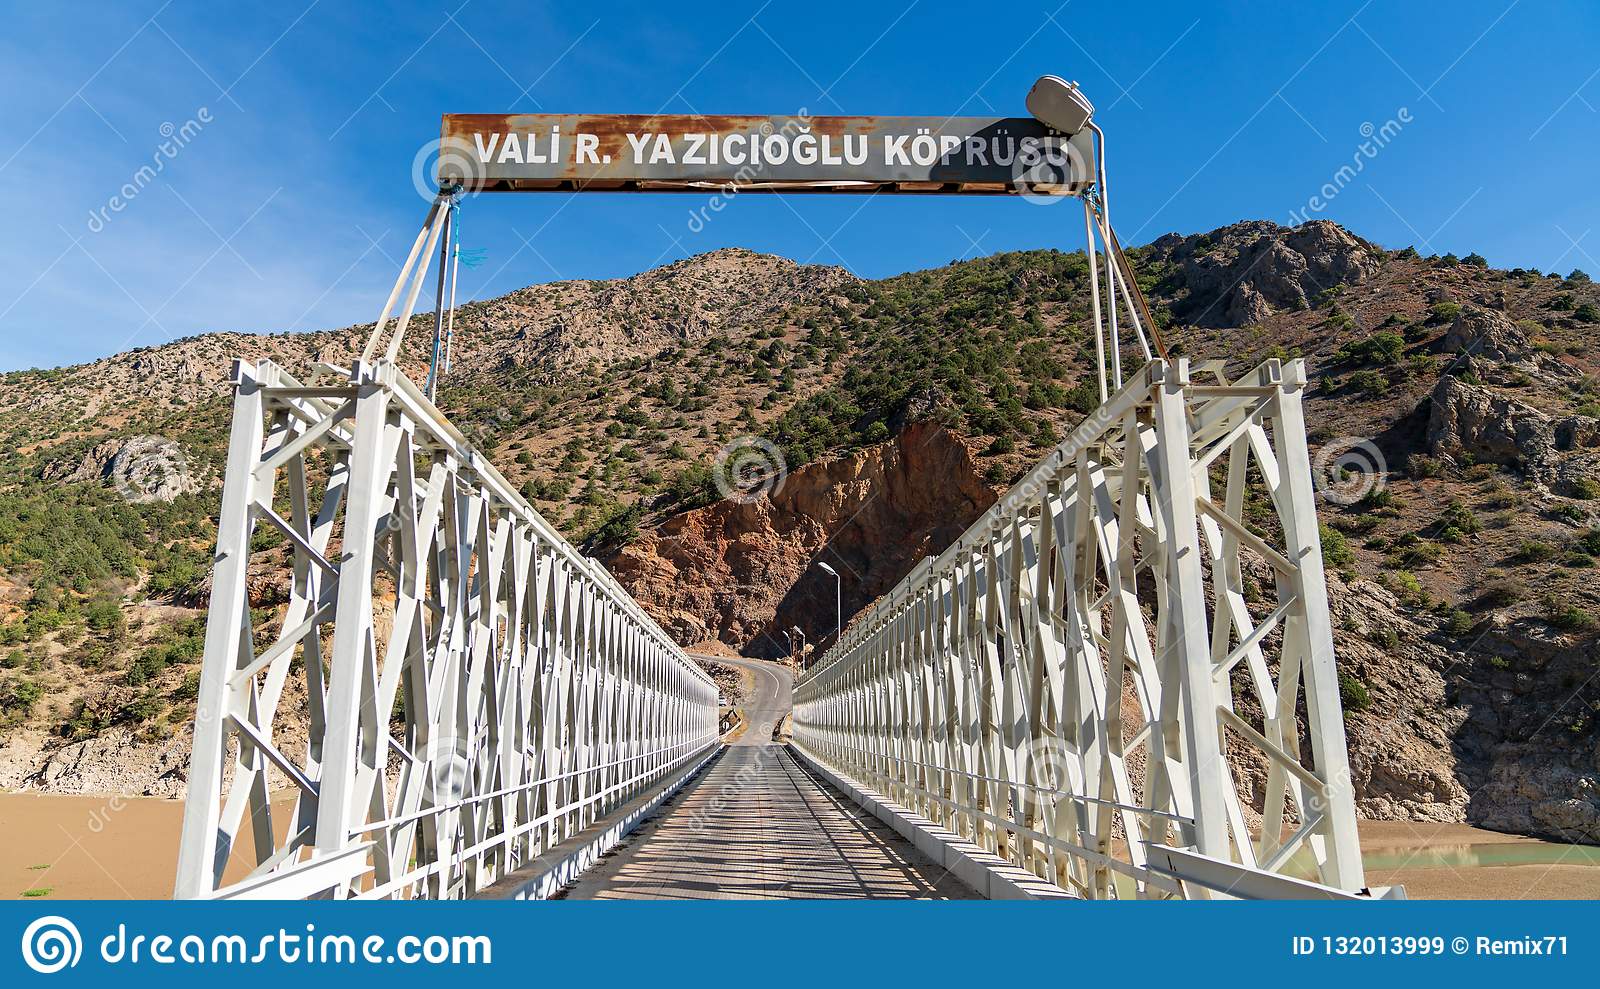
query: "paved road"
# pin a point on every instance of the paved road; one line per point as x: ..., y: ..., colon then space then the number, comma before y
x: 771, y: 699
x: 757, y: 825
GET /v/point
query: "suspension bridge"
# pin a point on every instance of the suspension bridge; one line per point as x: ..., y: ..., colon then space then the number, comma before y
x: 457, y: 703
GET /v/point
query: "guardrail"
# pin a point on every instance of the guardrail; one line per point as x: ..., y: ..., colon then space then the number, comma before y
x: 1059, y: 687
x: 451, y: 688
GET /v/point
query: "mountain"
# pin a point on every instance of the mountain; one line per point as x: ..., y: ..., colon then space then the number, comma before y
x: 1454, y: 415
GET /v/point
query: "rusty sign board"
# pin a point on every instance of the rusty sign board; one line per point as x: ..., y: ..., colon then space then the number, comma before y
x: 799, y: 153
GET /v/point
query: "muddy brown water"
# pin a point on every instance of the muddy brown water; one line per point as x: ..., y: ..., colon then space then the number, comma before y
x: 70, y: 847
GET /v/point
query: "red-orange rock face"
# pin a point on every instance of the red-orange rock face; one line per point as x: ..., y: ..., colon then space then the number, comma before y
x: 744, y: 572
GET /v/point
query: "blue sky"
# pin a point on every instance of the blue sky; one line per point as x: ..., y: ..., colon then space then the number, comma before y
x: 292, y: 200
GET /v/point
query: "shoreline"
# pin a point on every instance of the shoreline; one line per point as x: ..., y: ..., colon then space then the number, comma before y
x: 77, y: 846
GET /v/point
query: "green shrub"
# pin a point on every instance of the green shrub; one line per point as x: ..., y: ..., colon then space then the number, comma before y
x: 19, y: 696
x: 1443, y: 312
x: 1533, y: 551
x: 1336, y: 551
x: 1457, y: 622
x: 1585, y: 489
x: 1570, y: 514
x: 1083, y: 397
x: 1386, y: 637
x: 693, y: 486
x: 1420, y: 554
x: 1458, y: 516
x: 1381, y: 348
x: 1407, y: 587
x: 1353, y: 694
x: 1379, y: 497
x: 1369, y: 383
x: 1420, y: 465
x: 189, y: 688
x: 104, y: 615
x: 619, y: 528
x: 1570, y: 618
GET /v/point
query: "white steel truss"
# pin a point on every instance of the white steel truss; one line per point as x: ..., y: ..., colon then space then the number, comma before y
x: 1061, y: 684
x: 451, y: 688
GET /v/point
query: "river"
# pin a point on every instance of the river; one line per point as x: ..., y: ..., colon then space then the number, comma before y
x: 68, y: 847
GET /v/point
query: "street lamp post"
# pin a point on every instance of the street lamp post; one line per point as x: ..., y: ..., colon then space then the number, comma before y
x: 838, y: 598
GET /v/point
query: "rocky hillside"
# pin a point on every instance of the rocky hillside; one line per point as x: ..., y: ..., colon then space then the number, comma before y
x: 1463, y: 547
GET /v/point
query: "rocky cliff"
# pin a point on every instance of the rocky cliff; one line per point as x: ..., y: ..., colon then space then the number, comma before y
x: 744, y: 572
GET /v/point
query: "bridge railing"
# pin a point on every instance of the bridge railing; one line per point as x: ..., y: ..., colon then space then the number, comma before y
x: 449, y: 689
x: 1061, y: 684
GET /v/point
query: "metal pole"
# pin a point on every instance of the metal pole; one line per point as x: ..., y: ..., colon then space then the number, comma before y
x: 438, y: 306
x: 450, y: 322
x: 1111, y: 277
x: 1094, y: 298
x: 838, y: 600
x: 838, y: 606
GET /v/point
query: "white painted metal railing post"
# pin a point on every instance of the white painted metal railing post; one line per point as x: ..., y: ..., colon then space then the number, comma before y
x: 1185, y: 654
x: 1314, y: 630
x: 200, y: 859
x: 350, y: 695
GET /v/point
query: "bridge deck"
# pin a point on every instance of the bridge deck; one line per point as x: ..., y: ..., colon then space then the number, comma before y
x: 757, y: 825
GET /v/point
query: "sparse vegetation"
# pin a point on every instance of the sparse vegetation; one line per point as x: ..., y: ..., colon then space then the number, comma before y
x: 609, y: 444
